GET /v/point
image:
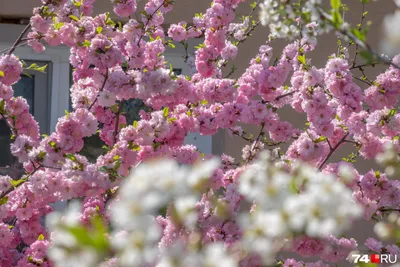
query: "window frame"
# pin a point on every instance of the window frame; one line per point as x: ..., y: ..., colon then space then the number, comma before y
x: 59, y: 83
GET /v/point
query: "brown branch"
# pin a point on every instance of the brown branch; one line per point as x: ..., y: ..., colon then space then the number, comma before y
x: 361, y: 80
x: 284, y: 95
x: 332, y: 150
x: 253, y: 147
x: 19, y: 39
x: 117, y: 122
x: 148, y: 21
x: 365, y: 65
x: 352, y: 142
x: 254, y: 8
x: 12, y: 188
x: 388, y: 209
x: 101, y: 89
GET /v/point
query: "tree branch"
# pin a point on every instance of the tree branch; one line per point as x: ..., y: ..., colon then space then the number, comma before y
x: 332, y: 150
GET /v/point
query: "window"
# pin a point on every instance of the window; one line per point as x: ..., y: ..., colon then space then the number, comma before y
x: 35, y: 88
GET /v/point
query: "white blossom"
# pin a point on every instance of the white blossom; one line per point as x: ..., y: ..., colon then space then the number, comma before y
x: 391, y: 42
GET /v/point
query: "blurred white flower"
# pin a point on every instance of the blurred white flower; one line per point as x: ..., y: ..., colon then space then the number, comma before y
x: 390, y: 43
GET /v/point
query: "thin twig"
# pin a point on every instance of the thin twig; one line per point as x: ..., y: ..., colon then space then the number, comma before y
x: 359, y: 28
x: 253, y: 147
x: 19, y: 45
x: 19, y: 39
x: 284, y: 95
x: 361, y: 80
x: 361, y: 44
x: 117, y: 122
x: 332, y: 151
x: 365, y: 65
x: 101, y: 89
x: 12, y: 188
x: 148, y: 21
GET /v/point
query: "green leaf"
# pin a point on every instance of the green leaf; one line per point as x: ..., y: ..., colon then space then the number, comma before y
x: 335, y: 4
x: 73, y: 17
x: 100, y: 51
x: 58, y: 25
x: 40, y: 237
x: 135, y: 124
x: 200, y: 46
x: 27, y: 74
x: 36, y: 67
x: 320, y: 139
x: 85, y: 43
x: 2, y: 104
x: 171, y: 119
x: 99, y: 30
x: 156, y: 145
x: 16, y: 183
x: 336, y: 19
x: 1, y: 73
x: 94, y: 237
x: 104, y: 169
x: 135, y: 147
x: 367, y: 56
x: 52, y: 144
x: 302, y: 59
x: 114, y: 108
x: 71, y: 157
x: 165, y: 112
x: 359, y: 34
x: 293, y: 186
x: 117, y: 165
x: 3, y: 200
x: 77, y: 4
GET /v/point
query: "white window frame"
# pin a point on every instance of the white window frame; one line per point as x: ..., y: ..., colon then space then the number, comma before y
x: 60, y: 79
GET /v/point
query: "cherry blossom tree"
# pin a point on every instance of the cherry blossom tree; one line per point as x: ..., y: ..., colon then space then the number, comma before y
x: 151, y: 200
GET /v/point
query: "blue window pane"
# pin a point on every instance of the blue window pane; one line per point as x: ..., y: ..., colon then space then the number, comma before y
x: 177, y: 71
x: 25, y: 88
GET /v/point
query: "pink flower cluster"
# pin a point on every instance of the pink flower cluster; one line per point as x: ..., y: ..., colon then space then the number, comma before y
x: 115, y: 63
